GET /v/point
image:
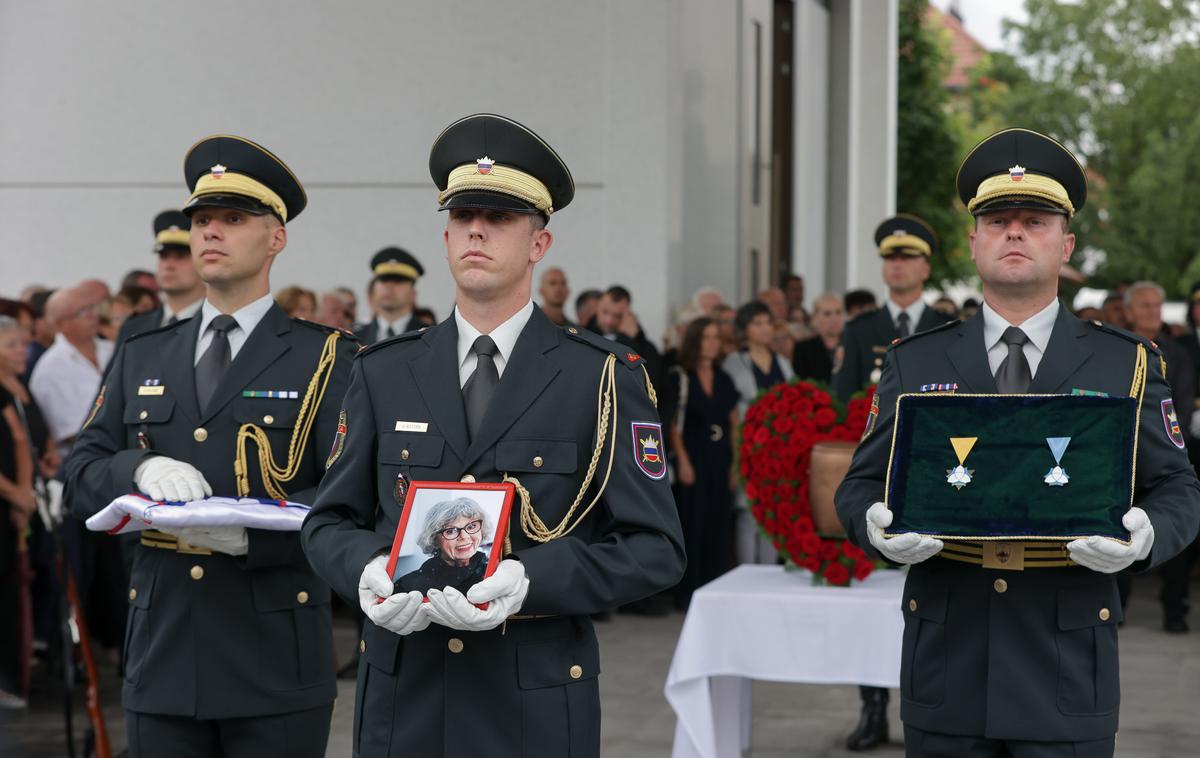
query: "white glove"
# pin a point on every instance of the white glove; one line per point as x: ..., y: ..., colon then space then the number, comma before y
x: 503, y: 591
x: 402, y: 613
x: 231, y: 540
x: 1109, y: 556
x: 909, y: 547
x: 164, y: 478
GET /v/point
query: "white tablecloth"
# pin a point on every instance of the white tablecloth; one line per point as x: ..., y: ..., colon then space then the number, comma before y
x: 762, y: 622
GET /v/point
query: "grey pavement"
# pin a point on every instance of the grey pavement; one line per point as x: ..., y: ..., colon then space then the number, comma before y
x: 1160, y: 713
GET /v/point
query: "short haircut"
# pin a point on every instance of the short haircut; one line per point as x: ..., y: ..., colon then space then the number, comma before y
x: 586, y: 296
x: 1127, y: 298
x: 38, y: 302
x: 857, y: 299
x: 1113, y: 296
x: 440, y: 516
x: 14, y: 308
x: 788, y: 279
x: 749, y: 312
x: 132, y: 277
x: 619, y: 294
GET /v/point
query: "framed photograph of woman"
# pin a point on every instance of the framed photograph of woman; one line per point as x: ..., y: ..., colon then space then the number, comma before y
x: 451, y: 534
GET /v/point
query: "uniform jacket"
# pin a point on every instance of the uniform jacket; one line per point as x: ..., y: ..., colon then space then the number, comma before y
x: 217, y: 636
x: 864, y: 343
x: 1038, y: 660
x: 368, y: 333
x: 527, y: 688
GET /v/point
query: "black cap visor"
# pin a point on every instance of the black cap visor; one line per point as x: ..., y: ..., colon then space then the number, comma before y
x: 1018, y: 202
x: 494, y: 201
x: 237, y: 202
x: 160, y: 249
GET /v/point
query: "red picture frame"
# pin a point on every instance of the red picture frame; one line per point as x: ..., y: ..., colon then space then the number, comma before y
x: 426, y: 506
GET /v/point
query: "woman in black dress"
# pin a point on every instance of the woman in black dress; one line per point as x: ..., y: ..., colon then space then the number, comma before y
x: 702, y: 451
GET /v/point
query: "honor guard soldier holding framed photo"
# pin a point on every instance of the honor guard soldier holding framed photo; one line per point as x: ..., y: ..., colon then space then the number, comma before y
x: 1010, y: 646
x: 496, y: 392
x: 906, y: 244
x: 229, y: 648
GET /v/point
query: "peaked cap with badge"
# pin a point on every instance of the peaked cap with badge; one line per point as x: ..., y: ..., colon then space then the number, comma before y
x: 1019, y: 168
x: 906, y: 234
x: 1027, y: 649
x: 225, y: 171
x: 394, y: 263
x: 489, y: 161
x: 595, y: 525
x: 171, y: 231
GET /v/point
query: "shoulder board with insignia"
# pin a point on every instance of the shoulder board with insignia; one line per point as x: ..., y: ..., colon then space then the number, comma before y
x: 157, y: 330
x: 624, y: 353
x: 406, y: 337
x: 939, y: 328
x: 1151, y: 345
x: 325, y: 328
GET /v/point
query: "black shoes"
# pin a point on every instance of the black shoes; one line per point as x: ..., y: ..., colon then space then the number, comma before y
x: 872, y: 729
x: 1176, y: 626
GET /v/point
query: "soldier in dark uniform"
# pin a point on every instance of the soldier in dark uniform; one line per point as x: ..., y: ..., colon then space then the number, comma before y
x: 179, y: 286
x: 496, y: 391
x: 392, y: 294
x: 229, y: 642
x: 1001, y: 662
x: 905, y: 245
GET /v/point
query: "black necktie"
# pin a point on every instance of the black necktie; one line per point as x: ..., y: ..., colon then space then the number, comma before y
x: 1013, y: 376
x: 173, y: 320
x: 902, y: 322
x: 481, y: 385
x: 215, y: 361
x: 389, y: 332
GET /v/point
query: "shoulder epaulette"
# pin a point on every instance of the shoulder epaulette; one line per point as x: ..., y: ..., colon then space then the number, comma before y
x: 588, y: 337
x: 157, y: 330
x: 930, y: 330
x: 325, y: 328
x: 406, y: 337
x: 1118, y: 332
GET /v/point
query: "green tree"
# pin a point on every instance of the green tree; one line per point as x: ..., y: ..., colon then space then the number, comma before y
x: 928, y: 142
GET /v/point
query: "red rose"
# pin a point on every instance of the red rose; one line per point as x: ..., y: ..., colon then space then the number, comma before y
x: 863, y: 569
x: 760, y: 435
x: 852, y: 551
x: 820, y: 397
x: 830, y: 550
x: 810, y: 543
x: 811, y: 562
x: 784, y: 425
x: 824, y: 417
x: 837, y: 574
x: 803, y: 524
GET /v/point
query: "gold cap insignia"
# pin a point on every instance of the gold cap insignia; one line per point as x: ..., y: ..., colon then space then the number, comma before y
x: 218, y: 171
x: 1016, y: 173
x: 484, y: 165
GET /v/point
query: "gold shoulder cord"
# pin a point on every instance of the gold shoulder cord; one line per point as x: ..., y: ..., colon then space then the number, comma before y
x: 606, y: 435
x: 274, y: 476
x: 1138, y: 390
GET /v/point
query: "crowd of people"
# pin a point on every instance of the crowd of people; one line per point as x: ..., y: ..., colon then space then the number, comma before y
x: 57, y: 344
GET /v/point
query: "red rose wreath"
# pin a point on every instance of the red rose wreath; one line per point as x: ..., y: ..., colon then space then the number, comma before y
x: 777, y: 436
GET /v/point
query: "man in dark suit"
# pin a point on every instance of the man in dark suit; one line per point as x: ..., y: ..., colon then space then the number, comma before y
x: 905, y: 245
x: 496, y: 391
x: 997, y: 661
x: 392, y: 295
x: 229, y: 648
x: 179, y: 285
x: 813, y: 358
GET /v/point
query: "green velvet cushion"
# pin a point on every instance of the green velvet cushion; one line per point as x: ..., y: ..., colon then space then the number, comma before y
x: 1008, y: 495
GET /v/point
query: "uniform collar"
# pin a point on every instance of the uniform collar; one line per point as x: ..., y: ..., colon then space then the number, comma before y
x: 914, y: 311
x: 505, y: 336
x: 185, y: 312
x: 1037, y: 327
x: 247, y: 317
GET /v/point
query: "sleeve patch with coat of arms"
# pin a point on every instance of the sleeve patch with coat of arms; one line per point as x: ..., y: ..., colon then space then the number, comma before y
x: 1171, y: 422
x: 648, y: 450
x: 339, y: 440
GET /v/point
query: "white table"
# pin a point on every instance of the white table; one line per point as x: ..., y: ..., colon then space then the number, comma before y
x: 762, y: 622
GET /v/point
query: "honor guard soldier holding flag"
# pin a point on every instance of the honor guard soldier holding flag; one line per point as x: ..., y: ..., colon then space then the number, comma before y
x: 906, y: 244
x: 496, y: 392
x: 997, y: 661
x: 229, y: 647
x: 392, y: 295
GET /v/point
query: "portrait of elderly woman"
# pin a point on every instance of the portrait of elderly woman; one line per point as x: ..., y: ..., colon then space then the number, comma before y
x: 453, y: 535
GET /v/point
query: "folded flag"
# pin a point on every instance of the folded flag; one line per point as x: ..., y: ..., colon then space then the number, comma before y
x: 134, y: 512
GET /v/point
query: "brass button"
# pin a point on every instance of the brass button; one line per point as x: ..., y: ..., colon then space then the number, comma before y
x: 912, y: 605
x: 362, y: 646
x: 1104, y: 614
x: 144, y: 415
x: 538, y: 461
x: 197, y: 572
x: 468, y: 479
x: 1000, y: 586
x: 268, y: 419
x: 576, y: 672
x: 455, y: 645
x: 572, y: 330
x: 132, y: 594
x: 200, y: 434
x: 404, y: 455
x: 302, y: 597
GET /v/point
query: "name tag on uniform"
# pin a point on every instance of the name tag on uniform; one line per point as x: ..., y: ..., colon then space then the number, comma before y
x: 144, y: 390
x: 412, y: 426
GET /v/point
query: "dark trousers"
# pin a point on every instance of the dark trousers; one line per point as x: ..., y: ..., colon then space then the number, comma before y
x: 302, y: 734
x: 921, y: 744
x: 1176, y: 575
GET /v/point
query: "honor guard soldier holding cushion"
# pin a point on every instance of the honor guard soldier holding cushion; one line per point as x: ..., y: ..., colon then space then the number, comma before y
x: 1002, y: 662
x: 496, y: 392
x: 229, y: 648
x: 905, y: 245
x: 392, y: 295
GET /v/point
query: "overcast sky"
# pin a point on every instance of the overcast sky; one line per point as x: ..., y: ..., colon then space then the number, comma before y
x: 982, y: 17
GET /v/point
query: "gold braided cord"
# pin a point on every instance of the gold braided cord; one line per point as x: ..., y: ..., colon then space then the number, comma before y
x: 503, y: 179
x: 173, y: 236
x: 396, y: 268
x: 650, y: 387
x: 274, y: 476
x: 1138, y: 390
x: 904, y: 242
x: 606, y: 411
x: 1031, y: 185
x: 233, y: 183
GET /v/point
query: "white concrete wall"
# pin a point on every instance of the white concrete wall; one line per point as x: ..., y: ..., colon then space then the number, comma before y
x: 102, y: 100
